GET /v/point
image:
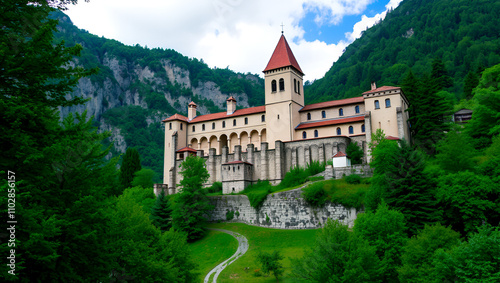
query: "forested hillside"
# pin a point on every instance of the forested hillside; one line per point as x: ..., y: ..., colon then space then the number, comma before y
x: 136, y: 87
x: 463, y: 34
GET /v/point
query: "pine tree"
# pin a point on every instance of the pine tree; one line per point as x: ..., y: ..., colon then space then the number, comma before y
x: 470, y: 82
x: 409, y: 188
x: 191, y: 203
x: 439, y: 76
x: 161, y: 213
x: 130, y: 165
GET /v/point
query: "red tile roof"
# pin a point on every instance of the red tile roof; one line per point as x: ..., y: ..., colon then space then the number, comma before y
x: 231, y: 99
x: 340, y: 154
x: 392, y: 138
x: 176, y: 117
x: 307, y: 125
x: 192, y: 104
x: 222, y: 115
x: 382, y: 88
x: 282, y: 57
x: 187, y: 149
x: 332, y: 103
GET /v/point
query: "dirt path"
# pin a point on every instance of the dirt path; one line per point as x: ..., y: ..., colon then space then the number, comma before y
x: 242, y: 249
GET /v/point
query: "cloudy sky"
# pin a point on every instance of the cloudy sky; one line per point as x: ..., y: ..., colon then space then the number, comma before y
x: 236, y: 33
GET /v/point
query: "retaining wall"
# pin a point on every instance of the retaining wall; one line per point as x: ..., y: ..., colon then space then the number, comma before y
x: 284, y: 210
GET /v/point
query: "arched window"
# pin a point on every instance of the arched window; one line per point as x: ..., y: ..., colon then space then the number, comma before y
x: 387, y: 103
x: 263, y: 118
x: 341, y: 112
x: 304, y: 135
x: 351, y: 130
x: 363, y: 128
x: 323, y: 114
x: 315, y: 133
x: 282, y: 84
x: 213, y: 126
x: 223, y: 124
x: 170, y: 126
x: 203, y: 127
x: 295, y: 85
x: 273, y: 86
x: 339, y: 132
x: 377, y: 105
x: 356, y: 109
x: 234, y: 122
x: 246, y: 121
x: 308, y: 116
x: 193, y: 129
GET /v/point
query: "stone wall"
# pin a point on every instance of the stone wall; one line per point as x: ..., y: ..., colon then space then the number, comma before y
x: 284, y: 210
x: 362, y: 170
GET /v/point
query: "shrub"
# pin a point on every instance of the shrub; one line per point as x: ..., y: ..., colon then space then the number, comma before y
x: 257, y: 193
x: 314, y: 194
x: 353, y: 179
x: 230, y: 215
x: 271, y: 263
x: 215, y: 188
x: 315, y: 167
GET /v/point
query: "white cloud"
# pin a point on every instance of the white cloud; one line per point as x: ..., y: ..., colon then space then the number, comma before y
x: 235, y: 33
x: 367, y: 22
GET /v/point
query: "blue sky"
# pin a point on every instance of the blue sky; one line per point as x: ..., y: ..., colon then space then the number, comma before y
x: 237, y: 34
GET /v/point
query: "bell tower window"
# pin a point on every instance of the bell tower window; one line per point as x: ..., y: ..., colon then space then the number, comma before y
x: 282, y: 84
x: 273, y: 86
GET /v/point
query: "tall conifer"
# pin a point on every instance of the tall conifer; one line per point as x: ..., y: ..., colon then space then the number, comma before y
x: 131, y: 163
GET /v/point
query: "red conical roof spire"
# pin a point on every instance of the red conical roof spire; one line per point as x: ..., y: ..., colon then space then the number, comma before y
x: 282, y: 57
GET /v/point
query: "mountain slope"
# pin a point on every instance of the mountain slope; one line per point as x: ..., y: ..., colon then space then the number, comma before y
x: 463, y: 33
x: 137, y: 87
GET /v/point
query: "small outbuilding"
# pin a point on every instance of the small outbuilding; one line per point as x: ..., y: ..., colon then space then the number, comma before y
x: 341, y: 160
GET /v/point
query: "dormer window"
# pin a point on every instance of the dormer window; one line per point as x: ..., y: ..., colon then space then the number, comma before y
x: 273, y: 86
x: 282, y: 84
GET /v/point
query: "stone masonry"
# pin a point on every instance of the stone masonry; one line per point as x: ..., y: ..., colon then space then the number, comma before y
x: 284, y: 210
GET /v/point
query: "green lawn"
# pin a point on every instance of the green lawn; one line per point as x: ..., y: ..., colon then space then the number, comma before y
x: 213, y: 249
x: 291, y: 243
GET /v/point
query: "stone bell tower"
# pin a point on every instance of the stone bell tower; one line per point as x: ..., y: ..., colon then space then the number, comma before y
x: 284, y: 93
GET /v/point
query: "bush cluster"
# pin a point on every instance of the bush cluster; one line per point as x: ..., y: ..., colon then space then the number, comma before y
x: 315, y: 195
x: 353, y: 179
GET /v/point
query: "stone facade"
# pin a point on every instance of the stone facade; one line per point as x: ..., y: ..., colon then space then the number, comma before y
x: 284, y: 210
x: 284, y: 132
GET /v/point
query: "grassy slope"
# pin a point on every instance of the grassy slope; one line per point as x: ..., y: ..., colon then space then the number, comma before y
x: 291, y: 243
x: 213, y: 249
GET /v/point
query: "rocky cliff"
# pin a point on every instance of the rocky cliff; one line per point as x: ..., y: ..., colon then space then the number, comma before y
x: 137, y: 87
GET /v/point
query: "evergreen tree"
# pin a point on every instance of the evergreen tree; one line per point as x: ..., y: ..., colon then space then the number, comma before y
x: 191, y: 203
x: 470, y: 82
x: 439, y: 76
x: 131, y: 164
x: 408, y: 188
x: 161, y: 213
x: 456, y: 152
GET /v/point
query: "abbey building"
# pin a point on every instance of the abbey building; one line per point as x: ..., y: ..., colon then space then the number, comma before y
x: 242, y: 146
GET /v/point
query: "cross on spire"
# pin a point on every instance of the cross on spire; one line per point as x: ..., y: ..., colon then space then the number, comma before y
x: 282, y: 25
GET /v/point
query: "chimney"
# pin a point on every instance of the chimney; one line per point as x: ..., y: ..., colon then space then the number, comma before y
x: 231, y: 105
x: 192, y: 110
x: 374, y: 85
